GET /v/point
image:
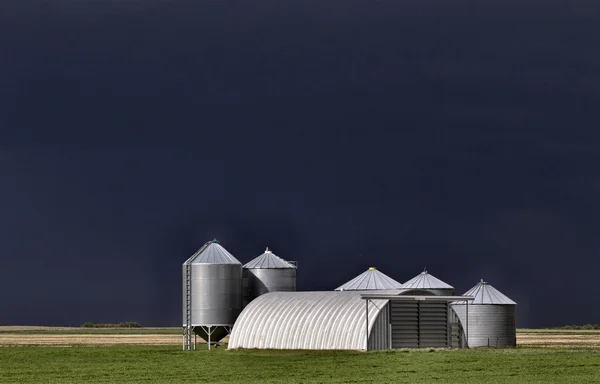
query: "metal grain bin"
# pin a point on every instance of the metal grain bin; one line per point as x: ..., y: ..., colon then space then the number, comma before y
x: 212, y: 291
x: 491, y: 317
x: 425, y: 281
x: 369, y: 280
x: 268, y: 273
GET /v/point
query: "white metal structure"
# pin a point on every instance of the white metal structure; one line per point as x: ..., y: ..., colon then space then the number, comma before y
x: 343, y: 320
x: 310, y: 320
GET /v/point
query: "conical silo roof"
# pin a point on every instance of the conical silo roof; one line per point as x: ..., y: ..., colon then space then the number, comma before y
x: 212, y: 253
x: 371, y: 279
x: 268, y: 260
x: 483, y: 293
x: 425, y: 281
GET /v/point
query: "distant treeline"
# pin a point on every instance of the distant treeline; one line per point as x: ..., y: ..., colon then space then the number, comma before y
x: 586, y: 326
x: 127, y: 324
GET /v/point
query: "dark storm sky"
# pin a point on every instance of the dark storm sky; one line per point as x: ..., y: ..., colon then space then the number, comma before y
x: 463, y: 136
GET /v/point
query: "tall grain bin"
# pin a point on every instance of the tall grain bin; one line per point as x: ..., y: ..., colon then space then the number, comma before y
x: 212, y: 293
x: 268, y: 273
x: 369, y: 280
x: 425, y: 281
x: 490, y: 320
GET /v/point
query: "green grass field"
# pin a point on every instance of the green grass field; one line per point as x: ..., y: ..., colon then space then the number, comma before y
x: 169, y: 364
x: 545, y: 356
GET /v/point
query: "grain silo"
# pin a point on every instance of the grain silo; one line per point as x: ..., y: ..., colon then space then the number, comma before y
x: 267, y: 273
x: 490, y: 319
x: 427, y: 282
x: 212, y: 293
x: 371, y: 279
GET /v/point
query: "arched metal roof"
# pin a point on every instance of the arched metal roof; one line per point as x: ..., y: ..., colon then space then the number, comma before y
x: 305, y: 320
x: 371, y: 279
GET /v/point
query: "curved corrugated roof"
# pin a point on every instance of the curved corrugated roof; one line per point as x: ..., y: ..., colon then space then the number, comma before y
x: 371, y: 279
x: 268, y: 260
x: 305, y: 320
x: 212, y: 253
x: 425, y: 281
x: 483, y: 293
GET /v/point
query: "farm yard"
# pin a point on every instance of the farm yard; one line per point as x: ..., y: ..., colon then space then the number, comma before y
x: 76, y: 355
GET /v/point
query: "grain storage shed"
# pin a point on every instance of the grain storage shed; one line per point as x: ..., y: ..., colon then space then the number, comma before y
x: 347, y: 320
x: 212, y: 293
x: 371, y: 279
x: 490, y: 319
x: 428, y: 282
x: 268, y: 273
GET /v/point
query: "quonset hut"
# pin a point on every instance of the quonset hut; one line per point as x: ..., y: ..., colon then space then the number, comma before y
x: 348, y: 320
x: 212, y: 293
x: 268, y: 273
x: 429, y: 284
x: 370, y: 280
x: 490, y: 319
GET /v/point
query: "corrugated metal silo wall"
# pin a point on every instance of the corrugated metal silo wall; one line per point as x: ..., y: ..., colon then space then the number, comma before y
x: 379, y: 338
x: 245, y: 288
x: 419, y: 324
x: 264, y: 280
x: 216, y: 293
x: 489, y: 325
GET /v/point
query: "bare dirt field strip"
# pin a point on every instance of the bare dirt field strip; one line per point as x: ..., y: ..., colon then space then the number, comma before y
x: 8, y: 339
x: 18, y: 328
x: 564, y: 340
x: 71, y: 339
x: 533, y: 339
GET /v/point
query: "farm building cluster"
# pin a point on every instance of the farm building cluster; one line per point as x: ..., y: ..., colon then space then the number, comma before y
x: 258, y: 306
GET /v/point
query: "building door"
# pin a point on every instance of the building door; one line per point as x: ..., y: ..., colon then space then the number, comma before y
x: 419, y: 324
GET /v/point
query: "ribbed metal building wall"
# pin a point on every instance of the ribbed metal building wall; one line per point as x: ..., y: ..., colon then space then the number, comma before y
x: 379, y: 335
x: 420, y: 324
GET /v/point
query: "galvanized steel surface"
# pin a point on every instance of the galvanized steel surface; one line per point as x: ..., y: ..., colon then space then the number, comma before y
x: 371, y: 279
x: 309, y: 320
x: 489, y: 325
x: 483, y: 293
x: 216, y: 294
x: 491, y: 317
x: 261, y: 281
x: 213, y: 253
x: 268, y: 260
x: 429, y: 282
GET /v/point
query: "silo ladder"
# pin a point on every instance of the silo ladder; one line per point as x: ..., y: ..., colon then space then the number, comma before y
x: 187, y: 331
